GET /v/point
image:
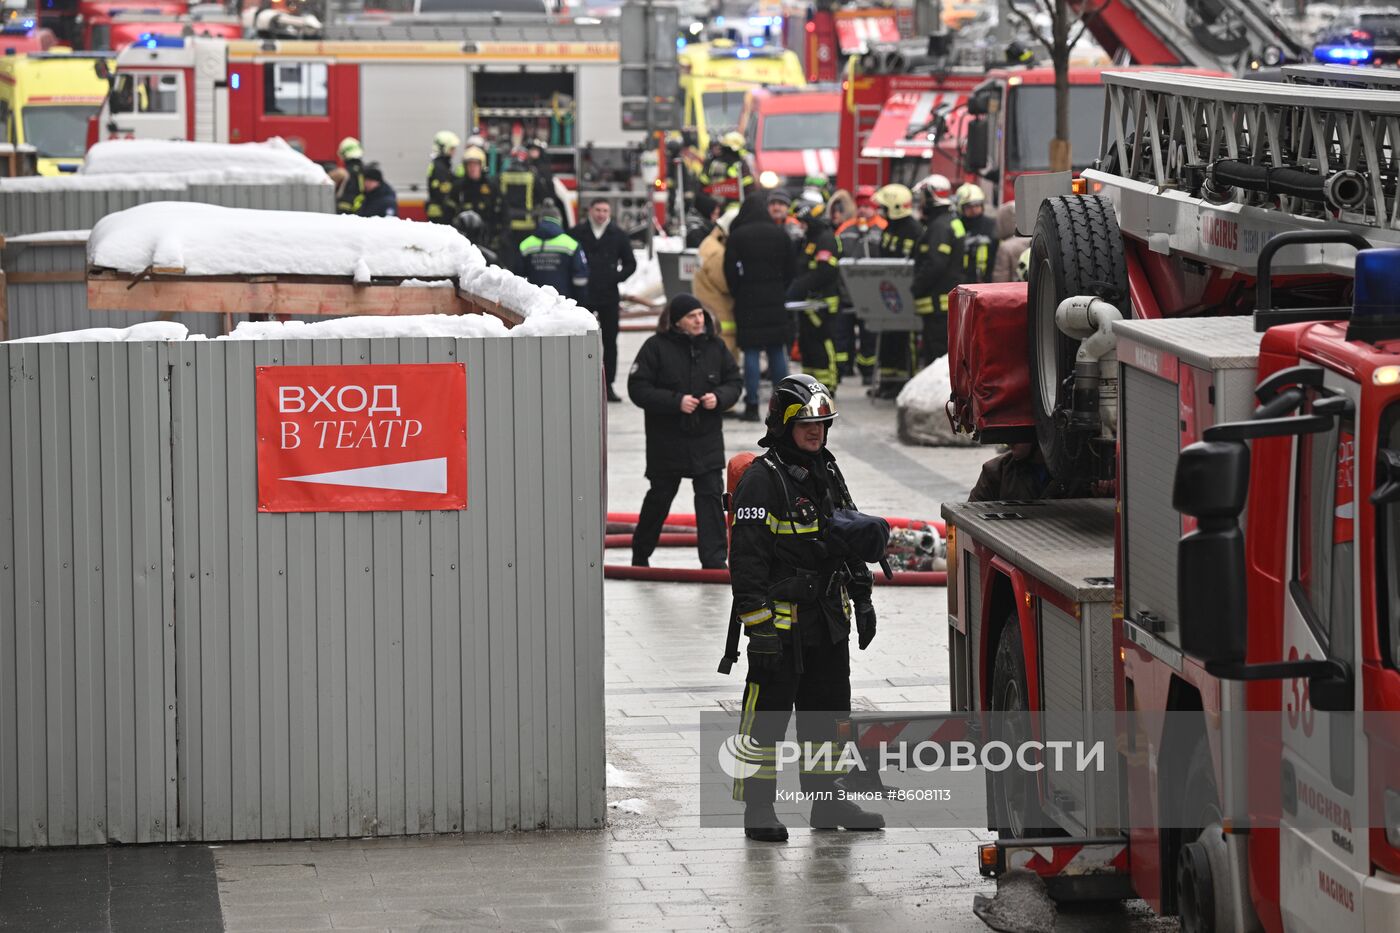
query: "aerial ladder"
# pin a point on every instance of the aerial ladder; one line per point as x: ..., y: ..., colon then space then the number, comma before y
x: 1233, y: 36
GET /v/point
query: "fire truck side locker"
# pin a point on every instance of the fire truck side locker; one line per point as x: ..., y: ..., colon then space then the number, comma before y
x: 1051, y: 564
x: 1177, y: 377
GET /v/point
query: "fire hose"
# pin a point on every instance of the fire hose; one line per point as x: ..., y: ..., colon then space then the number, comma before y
x: 1343, y: 190
x: 677, y: 533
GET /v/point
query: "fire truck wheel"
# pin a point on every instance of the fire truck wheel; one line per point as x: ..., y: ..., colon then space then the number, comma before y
x: 1077, y: 250
x: 1013, y: 793
x: 1202, y: 864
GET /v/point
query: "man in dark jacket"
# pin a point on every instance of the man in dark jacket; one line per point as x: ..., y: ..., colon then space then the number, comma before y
x: 795, y: 587
x: 758, y: 267
x: 549, y: 256
x: 817, y: 281
x: 610, y: 263
x: 380, y: 200
x: 684, y: 378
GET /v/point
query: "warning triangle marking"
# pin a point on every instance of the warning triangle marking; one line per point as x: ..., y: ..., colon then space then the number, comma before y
x: 409, y: 476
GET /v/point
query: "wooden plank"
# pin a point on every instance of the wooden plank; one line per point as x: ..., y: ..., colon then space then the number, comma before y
x: 302, y: 298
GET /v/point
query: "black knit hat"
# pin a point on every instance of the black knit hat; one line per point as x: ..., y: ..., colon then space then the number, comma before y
x: 681, y: 305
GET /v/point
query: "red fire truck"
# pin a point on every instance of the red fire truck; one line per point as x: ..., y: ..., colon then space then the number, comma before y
x: 1204, y: 348
x: 315, y: 93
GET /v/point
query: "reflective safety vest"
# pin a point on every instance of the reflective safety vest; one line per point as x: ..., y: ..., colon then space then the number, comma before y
x: 518, y: 190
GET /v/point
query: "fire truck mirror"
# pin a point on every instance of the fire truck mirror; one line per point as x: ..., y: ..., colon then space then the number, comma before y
x: 976, y: 154
x: 1387, y: 477
x: 1211, y: 485
x: 100, y: 67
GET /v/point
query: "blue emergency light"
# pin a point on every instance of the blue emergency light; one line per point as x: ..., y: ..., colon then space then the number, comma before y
x: 742, y: 53
x: 13, y: 26
x: 1342, y: 53
x: 234, y: 80
x: 1375, y: 304
x: 153, y: 40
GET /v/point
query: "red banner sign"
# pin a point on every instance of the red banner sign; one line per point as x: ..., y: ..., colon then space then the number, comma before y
x: 362, y: 438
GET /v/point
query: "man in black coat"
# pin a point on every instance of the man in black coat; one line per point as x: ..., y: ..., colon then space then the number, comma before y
x: 379, y: 200
x: 758, y: 267
x: 684, y: 378
x: 610, y: 263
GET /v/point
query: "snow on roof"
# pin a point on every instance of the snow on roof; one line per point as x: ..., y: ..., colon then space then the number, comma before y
x: 204, y: 239
x: 141, y: 181
x: 50, y: 237
x: 246, y: 163
x: 148, y: 330
x: 346, y: 328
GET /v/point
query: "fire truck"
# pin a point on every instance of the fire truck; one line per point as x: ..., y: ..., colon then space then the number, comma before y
x: 315, y: 93
x: 1212, y: 320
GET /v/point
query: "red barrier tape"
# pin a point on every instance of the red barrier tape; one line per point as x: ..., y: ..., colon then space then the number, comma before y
x: 699, y: 575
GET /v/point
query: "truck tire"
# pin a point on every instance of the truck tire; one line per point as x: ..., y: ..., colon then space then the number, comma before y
x: 1077, y: 250
x: 1200, y: 860
x: 1014, y: 797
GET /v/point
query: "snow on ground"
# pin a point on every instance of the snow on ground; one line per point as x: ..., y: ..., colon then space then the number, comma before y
x: 921, y: 408
x: 251, y: 162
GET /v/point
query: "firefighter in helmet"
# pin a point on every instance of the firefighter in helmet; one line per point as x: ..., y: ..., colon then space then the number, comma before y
x: 728, y: 168
x: 938, y: 265
x: 818, y: 282
x: 980, y: 233
x: 896, y: 351
x: 478, y: 193
x: 797, y: 559
x: 350, y: 193
x: 443, y: 178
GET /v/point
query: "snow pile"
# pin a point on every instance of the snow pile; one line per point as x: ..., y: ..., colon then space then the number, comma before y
x: 139, y: 181
x: 616, y: 777
x: 271, y: 162
x: 73, y: 237
x: 354, y: 328
x: 204, y: 239
x: 922, y: 409
x: 644, y: 284
x: 148, y: 330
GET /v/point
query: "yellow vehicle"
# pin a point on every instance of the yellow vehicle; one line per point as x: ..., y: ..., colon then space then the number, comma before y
x: 46, y: 99
x: 716, y: 75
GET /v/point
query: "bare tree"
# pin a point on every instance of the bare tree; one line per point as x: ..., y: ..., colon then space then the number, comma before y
x: 1063, y: 17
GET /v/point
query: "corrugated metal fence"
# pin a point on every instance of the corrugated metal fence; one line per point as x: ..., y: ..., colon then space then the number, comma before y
x: 175, y: 665
x: 24, y: 211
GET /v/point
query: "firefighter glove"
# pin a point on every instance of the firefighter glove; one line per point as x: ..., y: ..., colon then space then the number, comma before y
x: 765, y: 650
x: 865, y: 624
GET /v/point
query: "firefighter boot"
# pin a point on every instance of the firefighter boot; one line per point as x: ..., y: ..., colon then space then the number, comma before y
x: 843, y: 814
x: 761, y: 823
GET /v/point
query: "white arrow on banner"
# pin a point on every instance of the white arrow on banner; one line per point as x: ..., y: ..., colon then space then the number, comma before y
x: 410, y: 476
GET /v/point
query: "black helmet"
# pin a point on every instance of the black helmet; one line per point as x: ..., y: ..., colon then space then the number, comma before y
x: 796, y: 399
x: 471, y: 226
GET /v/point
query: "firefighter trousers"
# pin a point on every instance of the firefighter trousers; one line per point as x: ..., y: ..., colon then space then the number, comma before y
x: 821, y: 693
x: 816, y: 343
x: 844, y: 336
x: 935, y: 343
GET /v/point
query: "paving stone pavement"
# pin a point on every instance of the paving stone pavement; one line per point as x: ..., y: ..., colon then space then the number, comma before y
x: 654, y: 868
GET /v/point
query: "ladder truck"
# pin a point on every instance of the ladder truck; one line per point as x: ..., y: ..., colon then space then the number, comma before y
x: 1215, y: 324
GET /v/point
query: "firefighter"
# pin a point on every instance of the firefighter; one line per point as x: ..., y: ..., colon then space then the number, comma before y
x: 938, y: 265
x: 980, y: 239
x: 795, y: 582
x: 350, y: 193
x: 819, y: 281
x: 896, y: 351
x: 520, y: 194
x: 729, y: 166
x: 860, y: 239
x: 478, y: 192
x: 443, y: 178
x: 549, y: 256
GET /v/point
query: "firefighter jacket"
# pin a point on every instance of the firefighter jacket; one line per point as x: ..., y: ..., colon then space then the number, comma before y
x: 817, y: 275
x: 520, y: 194
x: 443, y: 178
x: 901, y: 238
x: 351, y: 192
x: 938, y: 263
x: 483, y: 196
x: 979, y: 248
x: 551, y: 257
x: 779, y: 568
x: 728, y: 176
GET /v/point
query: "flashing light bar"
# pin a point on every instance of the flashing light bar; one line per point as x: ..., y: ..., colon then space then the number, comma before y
x: 17, y: 26
x: 1342, y: 53
x: 152, y: 40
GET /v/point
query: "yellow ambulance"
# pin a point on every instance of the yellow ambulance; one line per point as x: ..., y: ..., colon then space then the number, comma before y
x: 46, y: 99
x: 716, y: 75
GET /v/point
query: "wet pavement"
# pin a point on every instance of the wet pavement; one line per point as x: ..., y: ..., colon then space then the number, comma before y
x: 654, y: 867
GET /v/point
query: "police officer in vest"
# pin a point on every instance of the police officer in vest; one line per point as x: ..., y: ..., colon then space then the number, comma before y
x: 549, y: 256
x: 798, y: 578
x: 938, y: 265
